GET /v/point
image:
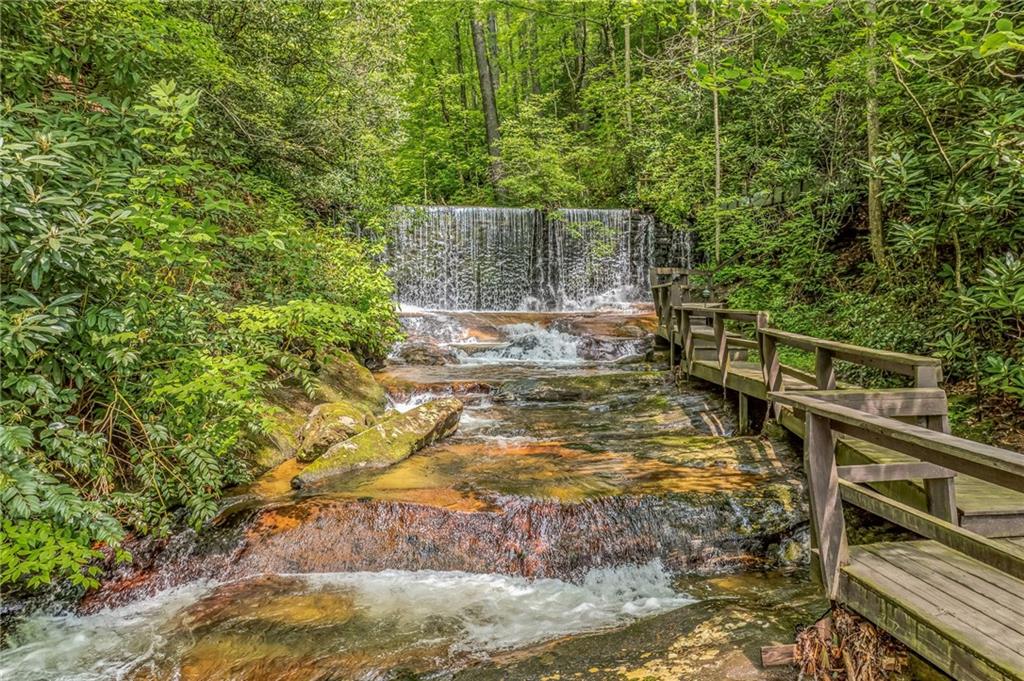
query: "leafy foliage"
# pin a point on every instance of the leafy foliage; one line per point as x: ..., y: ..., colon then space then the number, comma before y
x: 170, y: 250
x: 587, y: 121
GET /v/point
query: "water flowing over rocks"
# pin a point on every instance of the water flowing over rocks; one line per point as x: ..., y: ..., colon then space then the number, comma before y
x: 469, y: 257
x: 575, y: 495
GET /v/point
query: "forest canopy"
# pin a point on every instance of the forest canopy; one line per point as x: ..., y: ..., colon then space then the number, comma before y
x: 193, y: 194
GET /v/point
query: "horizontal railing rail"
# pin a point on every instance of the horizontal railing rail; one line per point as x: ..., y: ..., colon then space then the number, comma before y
x: 939, y: 458
x: 684, y: 323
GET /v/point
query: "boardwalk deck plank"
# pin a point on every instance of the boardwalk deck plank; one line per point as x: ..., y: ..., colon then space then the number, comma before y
x: 883, y: 584
x: 964, y: 615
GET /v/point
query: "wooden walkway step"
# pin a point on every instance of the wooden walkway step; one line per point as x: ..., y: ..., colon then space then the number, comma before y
x: 987, y: 509
x: 964, y: 616
x: 956, y: 596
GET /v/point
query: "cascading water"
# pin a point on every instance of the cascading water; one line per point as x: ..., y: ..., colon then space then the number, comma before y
x: 457, y: 258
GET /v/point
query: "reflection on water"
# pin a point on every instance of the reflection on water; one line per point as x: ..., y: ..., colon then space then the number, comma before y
x: 356, y: 625
x: 573, y: 493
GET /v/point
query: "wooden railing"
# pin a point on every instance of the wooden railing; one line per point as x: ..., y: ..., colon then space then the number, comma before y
x: 712, y: 331
x: 940, y: 457
x: 894, y: 442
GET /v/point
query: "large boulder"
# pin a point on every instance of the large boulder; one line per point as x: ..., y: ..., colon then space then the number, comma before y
x: 425, y: 352
x: 341, y: 379
x: 386, y: 443
x: 329, y: 424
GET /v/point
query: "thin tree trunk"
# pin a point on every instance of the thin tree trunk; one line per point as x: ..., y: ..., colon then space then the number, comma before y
x: 629, y: 98
x: 487, y: 97
x: 695, y: 46
x: 460, y: 67
x: 718, y: 140
x: 876, y: 237
x: 718, y: 177
x: 492, y: 49
x: 581, y: 55
x: 535, y: 86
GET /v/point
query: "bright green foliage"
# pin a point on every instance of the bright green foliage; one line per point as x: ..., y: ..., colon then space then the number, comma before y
x: 542, y: 163
x: 792, y: 85
x: 177, y: 238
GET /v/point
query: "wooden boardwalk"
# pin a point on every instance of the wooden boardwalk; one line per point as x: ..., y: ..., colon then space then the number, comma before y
x: 956, y: 596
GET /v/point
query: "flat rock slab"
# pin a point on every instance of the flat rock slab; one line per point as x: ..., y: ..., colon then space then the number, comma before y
x: 390, y: 441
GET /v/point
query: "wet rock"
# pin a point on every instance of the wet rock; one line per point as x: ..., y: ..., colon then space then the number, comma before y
x: 388, y: 442
x: 716, y: 639
x: 577, y: 388
x: 329, y: 424
x: 689, y: 532
x: 424, y: 352
x: 601, y: 349
x: 341, y: 379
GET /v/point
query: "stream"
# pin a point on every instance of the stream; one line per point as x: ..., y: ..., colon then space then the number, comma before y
x: 589, y: 519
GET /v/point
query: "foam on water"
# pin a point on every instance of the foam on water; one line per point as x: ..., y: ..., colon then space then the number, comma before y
x: 472, y: 613
x: 530, y: 343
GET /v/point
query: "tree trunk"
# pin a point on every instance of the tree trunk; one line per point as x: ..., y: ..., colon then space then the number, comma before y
x: 460, y: 67
x: 535, y: 86
x: 694, y: 45
x: 876, y: 237
x: 629, y: 102
x: 718, y: 138
x: 492, y: 50
x: 718, y: 177
x: 483, y: 68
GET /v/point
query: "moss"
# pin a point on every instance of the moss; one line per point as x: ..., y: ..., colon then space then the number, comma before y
x: 343, y: 381
x: 282, y: 441
x: 390, y: 441
x: 331, y: 423
x: 343, y: 378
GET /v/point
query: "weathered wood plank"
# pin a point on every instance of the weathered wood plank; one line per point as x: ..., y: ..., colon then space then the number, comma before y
x: 907, y: 608
x: 972, y: 587
x: 992, y: 464
x: 778, y: 655
x: 824, y: 369
x: 1000, y: 555
x: 975, y: 624
x: 940, y: 495
x: 827, y: 523
x: 915, y: 629
x: 887, y: 401
x: 888, y: 472
x: 895, y: 362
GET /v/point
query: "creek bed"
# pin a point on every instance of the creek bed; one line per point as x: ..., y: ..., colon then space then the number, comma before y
x: 588, y: 516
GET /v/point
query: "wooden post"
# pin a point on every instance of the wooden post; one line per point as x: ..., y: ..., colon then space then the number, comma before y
x: 930, y: 377
x: 688, y: 344
x: 927, y: 376
x: 744, y: 413
x: 721, y: 345
x: 828, y: 527
x: 824, y: 370
x: 673, y: 336
x: 772, y: 371
x: 941, y: 496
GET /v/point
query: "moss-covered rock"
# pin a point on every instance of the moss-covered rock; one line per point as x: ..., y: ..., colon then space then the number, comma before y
x: 388, y: 442
x: 343, y: 380
x: 329, y: 424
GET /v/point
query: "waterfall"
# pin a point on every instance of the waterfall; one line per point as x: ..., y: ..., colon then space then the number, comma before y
x: 467, y: 257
